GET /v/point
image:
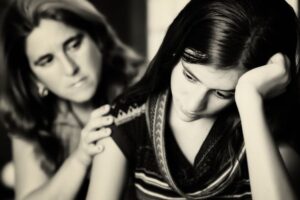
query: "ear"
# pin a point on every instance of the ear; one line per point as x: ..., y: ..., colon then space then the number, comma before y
x: 39, y: 84
x: 42, y: 90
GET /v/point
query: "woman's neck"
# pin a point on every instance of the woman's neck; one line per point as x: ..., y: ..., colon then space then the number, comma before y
x: 189, y: 135
x: 82, y: 111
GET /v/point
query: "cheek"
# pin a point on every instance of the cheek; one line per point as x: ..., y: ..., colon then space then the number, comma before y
x: 90, y: 58
x: 179, y: 86
x: 51, y: 77
x: 94, y: 55
x: 54, y: 84
x: 175, y: 87
x: 95, y: 63
x: 218, y: 105
x: 97, y: 67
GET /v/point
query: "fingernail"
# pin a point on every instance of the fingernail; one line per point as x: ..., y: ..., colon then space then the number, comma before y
x: 100, y: 148
x: 109, y: 119
x: 106, y: 107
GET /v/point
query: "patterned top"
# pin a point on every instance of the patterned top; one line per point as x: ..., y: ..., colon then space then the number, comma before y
x: 159, y: 168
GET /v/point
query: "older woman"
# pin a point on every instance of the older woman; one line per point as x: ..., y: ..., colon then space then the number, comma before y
x: 59, y: 61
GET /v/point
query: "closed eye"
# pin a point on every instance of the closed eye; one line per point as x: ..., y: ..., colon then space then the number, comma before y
x: 223, y: 94
x: 188, y: 76
x: 44, y: 60
x: 74, y: 43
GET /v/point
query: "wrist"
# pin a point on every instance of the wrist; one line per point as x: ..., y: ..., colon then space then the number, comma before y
x: 81, y: 158
x: 246, y: 96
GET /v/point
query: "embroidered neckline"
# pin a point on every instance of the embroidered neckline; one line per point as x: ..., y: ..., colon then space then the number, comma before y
x: 155, y: 116
x: 131, y: 113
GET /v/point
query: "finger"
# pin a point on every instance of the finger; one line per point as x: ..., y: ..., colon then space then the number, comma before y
x: 280, y: 66
x: 277, y: 58
x: 100, y: 111
x: 97, y: 135
x: 280, y: 60
x: 99, y: 122
x: 95, y: 149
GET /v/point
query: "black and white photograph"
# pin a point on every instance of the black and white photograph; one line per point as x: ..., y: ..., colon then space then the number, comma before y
x: 149, y: 100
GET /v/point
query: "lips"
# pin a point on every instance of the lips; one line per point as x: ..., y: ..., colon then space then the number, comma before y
x: 190, y: 114
x: 79, y: 82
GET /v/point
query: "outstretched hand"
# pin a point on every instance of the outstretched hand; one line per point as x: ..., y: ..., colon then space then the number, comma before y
x: 266, y: 81
x: 94, y: 130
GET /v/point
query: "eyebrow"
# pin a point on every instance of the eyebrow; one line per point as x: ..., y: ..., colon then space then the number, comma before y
x: 68, y: 41
x: 191, y: 73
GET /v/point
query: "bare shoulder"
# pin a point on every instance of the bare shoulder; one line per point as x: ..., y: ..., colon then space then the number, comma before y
x: 29, y: 174
x: 111, y: 154
x: 109, y: 172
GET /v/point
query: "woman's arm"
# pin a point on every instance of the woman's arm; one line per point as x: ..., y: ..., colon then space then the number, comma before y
x: 269, y: 178
x: 33, y: 183
x: 109, y: 172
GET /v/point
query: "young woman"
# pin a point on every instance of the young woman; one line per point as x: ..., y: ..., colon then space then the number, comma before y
x: 59, y: 61
x: 221, y: 88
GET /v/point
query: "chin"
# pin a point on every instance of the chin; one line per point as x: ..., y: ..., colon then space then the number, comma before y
x: 80, y: 100
x: 193, y: 117
x: 82, y: 97
x: 187, y: 118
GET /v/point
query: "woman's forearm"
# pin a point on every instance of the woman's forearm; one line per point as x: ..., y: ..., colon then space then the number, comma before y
x: 64, y: 184
x: 268, y: 176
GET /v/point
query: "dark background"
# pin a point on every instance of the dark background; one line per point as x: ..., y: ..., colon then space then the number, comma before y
x: 128, y: 18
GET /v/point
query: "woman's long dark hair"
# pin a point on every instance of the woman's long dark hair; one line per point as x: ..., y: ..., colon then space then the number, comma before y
x: 23, y: 111
x: 230, y: 34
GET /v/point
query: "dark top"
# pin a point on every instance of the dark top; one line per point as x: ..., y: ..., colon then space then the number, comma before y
x: 135, y: 134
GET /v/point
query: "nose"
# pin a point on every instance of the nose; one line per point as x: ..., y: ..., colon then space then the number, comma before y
x: 198, y: 100
x: 69, y: 66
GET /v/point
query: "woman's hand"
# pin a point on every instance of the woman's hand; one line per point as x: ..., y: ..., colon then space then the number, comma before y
x: 266, y: 81
x: 91, y: 133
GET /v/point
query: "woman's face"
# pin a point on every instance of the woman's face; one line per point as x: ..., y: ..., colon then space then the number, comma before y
x: 65, y: 60
x: 202, y: 91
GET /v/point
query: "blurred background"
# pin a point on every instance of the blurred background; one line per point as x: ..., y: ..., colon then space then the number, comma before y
x: 139, y: 23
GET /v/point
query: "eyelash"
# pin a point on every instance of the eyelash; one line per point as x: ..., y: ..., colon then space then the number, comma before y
x: 45, y: 61
x: 72, y: 45
x: 188, y: 76
x: 217, y: 93
x: 75, y: 44
x: 222, y: 96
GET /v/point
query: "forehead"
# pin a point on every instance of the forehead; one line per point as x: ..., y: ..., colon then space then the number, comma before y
x: 214, y: 77
x: 47, y: 36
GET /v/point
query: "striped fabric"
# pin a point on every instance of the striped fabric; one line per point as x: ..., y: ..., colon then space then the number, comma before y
x: 149, y: 187
x: 136, y: 141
